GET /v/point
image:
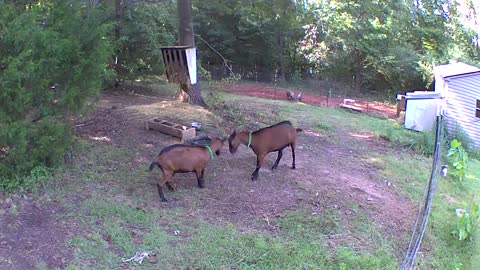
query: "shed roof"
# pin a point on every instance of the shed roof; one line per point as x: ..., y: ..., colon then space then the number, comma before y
x: 455, y: 69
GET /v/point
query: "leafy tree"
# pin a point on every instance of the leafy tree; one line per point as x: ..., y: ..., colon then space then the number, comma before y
x: 250, y: 34
x: 143, y: 28
x: 386, y: 45
x: 53, y: 57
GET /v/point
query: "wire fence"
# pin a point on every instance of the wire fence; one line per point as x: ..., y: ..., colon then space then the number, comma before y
x: 265, y: 83
x: 425, y: 204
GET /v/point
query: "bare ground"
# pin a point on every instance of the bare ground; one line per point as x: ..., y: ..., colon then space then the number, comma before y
x: 328, y: 176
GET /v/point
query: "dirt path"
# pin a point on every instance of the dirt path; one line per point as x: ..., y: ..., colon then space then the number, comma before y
x: 278, y: 93
x: 327, y: 177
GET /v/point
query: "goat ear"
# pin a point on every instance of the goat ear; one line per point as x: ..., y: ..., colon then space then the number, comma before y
x: 234, y: 132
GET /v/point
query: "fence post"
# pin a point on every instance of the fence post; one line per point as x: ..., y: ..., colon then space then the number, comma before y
x: 329, y: 96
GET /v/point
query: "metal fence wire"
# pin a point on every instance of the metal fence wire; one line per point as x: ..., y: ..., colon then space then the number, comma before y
x: 328, y: 92
x: 425, y: 204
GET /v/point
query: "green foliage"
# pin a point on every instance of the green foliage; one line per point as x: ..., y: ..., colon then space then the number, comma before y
x: 30, y: 145
x: 459, y: 160
x: 466, y: 217
x: 424, y: 142
x: 421, y: 142
x: 232, y: 79
x: 250, y: 34
x: 54, y: 58
x: 37, y: 176
x: 203, y: 74
x: 467, y: 221
x: 375, y: 41
x: 143, y: 29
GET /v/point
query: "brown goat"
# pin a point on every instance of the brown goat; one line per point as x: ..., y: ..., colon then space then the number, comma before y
x: 290, y: 95
x: 270, y: 139
x: 299, y: 97
x: 180, y: 158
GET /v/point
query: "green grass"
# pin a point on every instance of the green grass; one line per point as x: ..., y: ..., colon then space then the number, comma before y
x: 410, y: 173
x: 226, y: 248
x: 116, y: 227
x: 118, y: 230
x: 300, y: 244
x: 407, y: 172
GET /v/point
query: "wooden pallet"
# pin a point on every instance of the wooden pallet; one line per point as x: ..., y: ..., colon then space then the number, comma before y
x: 172, y: 129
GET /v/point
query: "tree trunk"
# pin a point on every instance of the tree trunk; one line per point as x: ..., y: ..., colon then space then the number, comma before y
x: 118, y: 16
x: 188, y: 93
x: 358, y: 71
x: 118, y: 9
x: 281, y: 76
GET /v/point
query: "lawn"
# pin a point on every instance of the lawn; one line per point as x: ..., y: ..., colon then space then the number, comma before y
x: 350, y: 204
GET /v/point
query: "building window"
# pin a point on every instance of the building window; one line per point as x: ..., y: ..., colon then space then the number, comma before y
x: 477, y: 110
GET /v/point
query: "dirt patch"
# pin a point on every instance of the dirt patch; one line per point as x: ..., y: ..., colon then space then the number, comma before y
x: 278, y: 93
x: 32, y: 235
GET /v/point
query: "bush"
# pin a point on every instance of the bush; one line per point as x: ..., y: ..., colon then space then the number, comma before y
x: 458, y: 158
x: 53, y: 58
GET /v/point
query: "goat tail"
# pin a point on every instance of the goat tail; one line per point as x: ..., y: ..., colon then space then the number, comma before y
x: 152, y: 165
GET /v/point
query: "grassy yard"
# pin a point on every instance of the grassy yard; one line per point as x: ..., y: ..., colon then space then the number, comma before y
x: 111, y: 209
x: 409, y: 171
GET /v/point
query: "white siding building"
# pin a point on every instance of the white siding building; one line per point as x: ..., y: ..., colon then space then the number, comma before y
x: 459, y: 84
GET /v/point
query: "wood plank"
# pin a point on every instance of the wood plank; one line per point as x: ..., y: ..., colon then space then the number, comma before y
x: 350, y: 107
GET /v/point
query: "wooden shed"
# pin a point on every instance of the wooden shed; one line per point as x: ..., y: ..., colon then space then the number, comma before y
x: 459, y: 84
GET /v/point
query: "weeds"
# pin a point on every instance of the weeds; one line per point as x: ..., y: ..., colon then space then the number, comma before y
x: 459, y: 160
x: 38, y: 175
x: 467, y: 220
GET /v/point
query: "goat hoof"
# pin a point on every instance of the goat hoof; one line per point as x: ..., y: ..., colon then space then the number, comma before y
x: 164, y: 200
x: 293, y: 167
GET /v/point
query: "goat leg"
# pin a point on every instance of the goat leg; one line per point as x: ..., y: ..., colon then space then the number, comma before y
x: 259, y: 164
x: 167, y: 175
x: 280, y: 154
x: 293, y: 155
x: 201, y: 182
x: 160, y: 192
x: 170, y: 186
